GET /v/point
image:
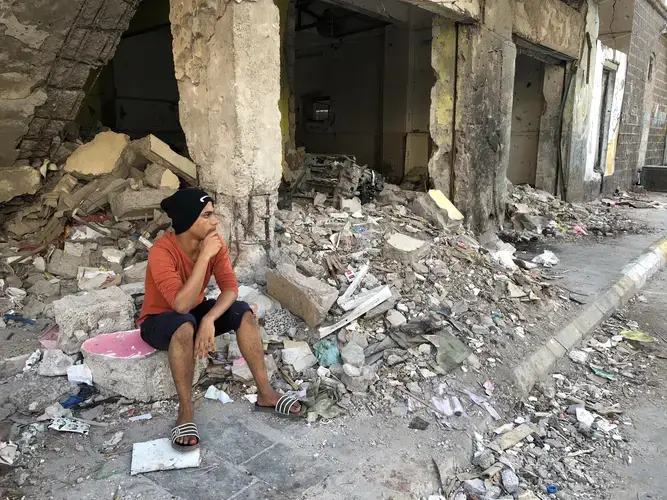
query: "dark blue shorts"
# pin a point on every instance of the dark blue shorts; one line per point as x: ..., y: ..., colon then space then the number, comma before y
x: 157, y: 329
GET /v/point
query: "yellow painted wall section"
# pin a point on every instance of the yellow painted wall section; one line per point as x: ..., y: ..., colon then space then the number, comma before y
x: 443, y: 59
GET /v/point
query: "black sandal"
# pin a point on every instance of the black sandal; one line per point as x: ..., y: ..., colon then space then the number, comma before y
x: 184, y: 431
x: 283, y: 407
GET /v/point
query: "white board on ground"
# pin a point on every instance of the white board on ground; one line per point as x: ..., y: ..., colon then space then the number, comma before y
x: 157, y: 455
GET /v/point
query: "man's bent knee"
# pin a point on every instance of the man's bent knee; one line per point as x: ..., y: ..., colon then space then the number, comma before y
x: 184, y: 333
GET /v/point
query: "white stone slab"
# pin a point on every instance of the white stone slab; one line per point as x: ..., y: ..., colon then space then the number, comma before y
x: 157, y: 455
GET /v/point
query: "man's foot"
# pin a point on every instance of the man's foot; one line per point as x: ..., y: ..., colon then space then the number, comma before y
x: 186, y: 416
x: 271, y: 398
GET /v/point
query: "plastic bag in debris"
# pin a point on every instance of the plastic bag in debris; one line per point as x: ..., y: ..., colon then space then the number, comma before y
x: 69, y: 425
x: 326, y: 351
x: 547, y: 259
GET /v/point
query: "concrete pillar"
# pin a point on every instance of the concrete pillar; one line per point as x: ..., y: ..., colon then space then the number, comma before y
x: 547, y: 152
x: 227, y: 62
x: 484, y: 93
x: 443, y: 60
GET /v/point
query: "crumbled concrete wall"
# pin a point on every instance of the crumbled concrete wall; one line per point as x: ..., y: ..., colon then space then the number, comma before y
x: 484, y: 89
x: 48, y: 52
x: 227, y: 61
x: 549, y: 23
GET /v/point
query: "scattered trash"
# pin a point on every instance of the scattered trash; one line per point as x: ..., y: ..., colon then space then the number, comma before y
x: 511, y: 438
x: 547, y: 259
x: 579, y: 357
x: 85, y: 392
x: 326, y: 352
x: 419, y: 424
x: 114, y: 440
x: 603, y: 373
x: 636, y: 336
x: 145, y: 416
x: 69, y: 425
x: 80, y: 374
x: 214, y: 393
x: 8, y: 453
x: 158, y: 455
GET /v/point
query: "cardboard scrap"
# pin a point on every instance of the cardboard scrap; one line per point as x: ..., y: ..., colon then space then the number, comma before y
x: 511, y: 438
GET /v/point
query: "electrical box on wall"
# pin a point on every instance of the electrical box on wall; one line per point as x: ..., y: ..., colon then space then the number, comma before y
x: 318, y: 113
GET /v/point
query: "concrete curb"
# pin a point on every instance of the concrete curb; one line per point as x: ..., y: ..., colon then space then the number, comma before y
x: 633, y: 277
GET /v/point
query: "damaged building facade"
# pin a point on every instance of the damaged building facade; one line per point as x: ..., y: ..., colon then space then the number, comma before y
x: 565, y: 95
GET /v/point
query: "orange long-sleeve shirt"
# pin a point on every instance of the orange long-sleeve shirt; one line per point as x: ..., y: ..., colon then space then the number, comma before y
x: 168, y: 270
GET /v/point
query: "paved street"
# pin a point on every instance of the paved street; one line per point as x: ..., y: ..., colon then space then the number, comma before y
x: 645, y: 477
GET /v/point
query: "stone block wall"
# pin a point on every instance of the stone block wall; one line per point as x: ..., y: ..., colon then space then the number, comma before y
x: 646, y: 28
x: 655, y: 147
x: 50, y: 49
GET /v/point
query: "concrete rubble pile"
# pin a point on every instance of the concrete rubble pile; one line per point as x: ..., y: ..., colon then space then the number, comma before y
x: 533, y: 214
x: 362, y: 306
x: 569, y: 426
x: 381, y: 300
x: 73, y: 190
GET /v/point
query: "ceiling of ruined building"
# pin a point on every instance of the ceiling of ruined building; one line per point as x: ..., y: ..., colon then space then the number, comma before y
x: 574, y: 3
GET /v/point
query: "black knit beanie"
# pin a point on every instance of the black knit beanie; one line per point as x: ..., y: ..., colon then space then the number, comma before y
x: 184, y: 207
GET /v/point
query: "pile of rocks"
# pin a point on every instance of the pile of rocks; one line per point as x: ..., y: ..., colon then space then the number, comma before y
x: 131, y: 177
x: 533, y: 213
x: 570, y: 424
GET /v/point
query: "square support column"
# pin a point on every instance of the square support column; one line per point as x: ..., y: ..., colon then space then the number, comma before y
x: 227, y: 62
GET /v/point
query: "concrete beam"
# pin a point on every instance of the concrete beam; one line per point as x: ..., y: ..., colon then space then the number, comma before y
x: 457, y: 10
x: 549, y: 23
x: 389, y: 10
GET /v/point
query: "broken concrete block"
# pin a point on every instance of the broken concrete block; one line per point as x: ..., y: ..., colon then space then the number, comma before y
x: 437, y: 209
x: 104, y: 155
x: 159, y: 177
x: 308, y: 298
x: 353, y: 354
x: 54, y: 363
x: 33, y: 308
x: 134, y: 289
x: 298, y: 355
x: 241, y: 371
x: 45, y: 288
x: 11, y: 366
x: 405, y: 249
x: 18, y: 181
x: 113, y: 255
x: 31, y: 393
x: 360, y: 383
x: 158, y: 152
x: 66, y: 265
x: 137, y: 205
x: 99, y: 311
x: 395, y: 318
x: 123, y: 363
x: 136, y: 273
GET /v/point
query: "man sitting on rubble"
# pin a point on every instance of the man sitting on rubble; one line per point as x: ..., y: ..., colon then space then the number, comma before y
x: 176, y: 318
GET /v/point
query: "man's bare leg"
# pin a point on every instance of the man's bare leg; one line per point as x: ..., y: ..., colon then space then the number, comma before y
x: 250, y: 345
x: 182, y: 364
